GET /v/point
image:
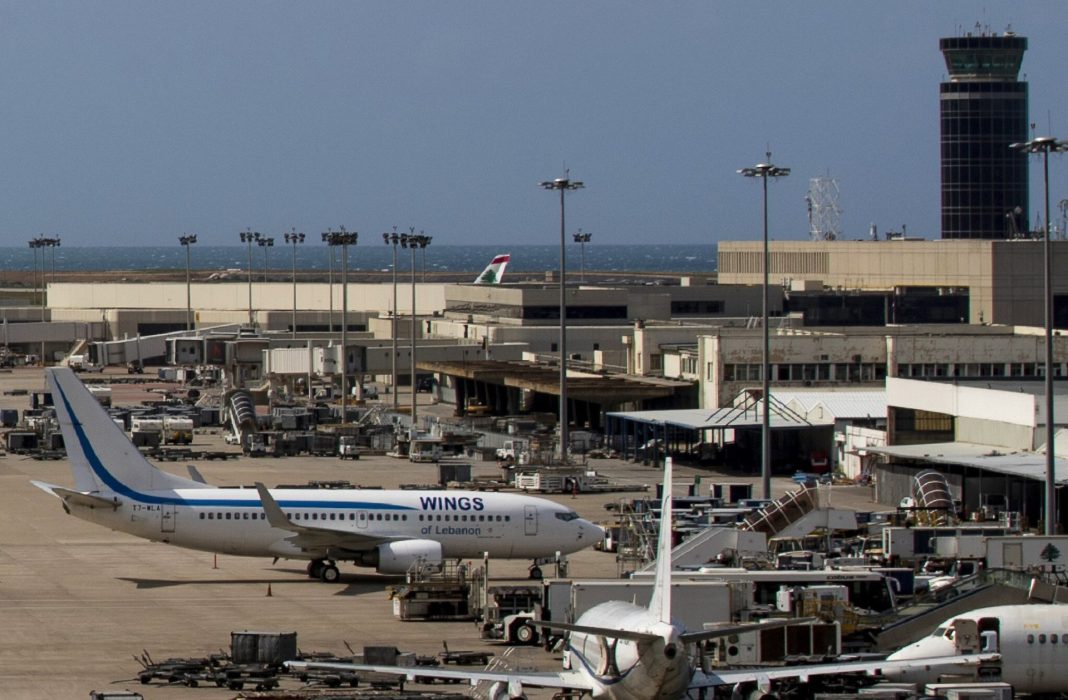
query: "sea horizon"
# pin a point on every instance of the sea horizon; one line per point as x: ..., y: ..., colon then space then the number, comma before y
x: 693, y: 258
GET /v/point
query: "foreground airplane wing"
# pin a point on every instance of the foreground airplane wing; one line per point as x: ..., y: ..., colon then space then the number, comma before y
x: 804, y: 672
x: 703, y: 635
x: 565, y: 680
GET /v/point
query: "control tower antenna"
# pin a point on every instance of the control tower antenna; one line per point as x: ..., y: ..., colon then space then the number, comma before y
x: 824, y: 214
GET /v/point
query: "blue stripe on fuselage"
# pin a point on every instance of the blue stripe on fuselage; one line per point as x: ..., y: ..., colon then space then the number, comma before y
x: 122, y: 489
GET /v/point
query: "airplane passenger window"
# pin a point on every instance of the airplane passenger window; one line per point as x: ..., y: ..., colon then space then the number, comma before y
x: 1030, y: 639
x: 1042, y: 637
x: 507, y: 518
x: 404, y: 518
x: 201, y: 516
x: 228, y: 515
x: 1064, y: 639
x: 1053, y: 639
x: 244, y: 516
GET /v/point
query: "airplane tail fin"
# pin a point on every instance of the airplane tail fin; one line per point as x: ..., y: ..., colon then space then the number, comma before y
x: 101, y: 457
x: 660, y: 602
x: 494, y: 272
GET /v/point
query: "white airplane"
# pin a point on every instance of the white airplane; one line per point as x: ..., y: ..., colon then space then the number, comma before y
x: 621, y: 651
x: 494, y: 272
x: 115, y: 486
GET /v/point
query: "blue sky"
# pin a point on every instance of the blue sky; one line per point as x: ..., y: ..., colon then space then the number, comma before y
x: 127, y: 123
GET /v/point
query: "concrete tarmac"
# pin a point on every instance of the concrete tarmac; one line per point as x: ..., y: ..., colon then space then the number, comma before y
x: 78, y: 602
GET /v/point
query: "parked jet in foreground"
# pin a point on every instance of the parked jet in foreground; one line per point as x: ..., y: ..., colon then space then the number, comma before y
x: 494, y: 272
x: 115, y: 486
x: 621, y: 651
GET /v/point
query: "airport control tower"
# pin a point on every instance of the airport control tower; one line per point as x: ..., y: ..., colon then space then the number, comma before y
x: 983, y: 110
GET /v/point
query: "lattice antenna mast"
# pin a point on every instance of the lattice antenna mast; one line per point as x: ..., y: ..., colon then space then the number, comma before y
x: 824, y: 214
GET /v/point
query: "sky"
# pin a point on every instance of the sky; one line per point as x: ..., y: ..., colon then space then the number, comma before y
x: 130, y: 122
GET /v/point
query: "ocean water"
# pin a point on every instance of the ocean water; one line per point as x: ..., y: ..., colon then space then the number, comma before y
x: 316, y: 256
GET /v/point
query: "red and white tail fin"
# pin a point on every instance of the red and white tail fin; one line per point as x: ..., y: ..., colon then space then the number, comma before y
x: 660, y: 602
x: 494, y: 271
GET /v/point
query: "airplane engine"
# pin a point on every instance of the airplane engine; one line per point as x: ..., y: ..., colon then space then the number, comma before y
x: 398, y: 557
x: 500, y: 690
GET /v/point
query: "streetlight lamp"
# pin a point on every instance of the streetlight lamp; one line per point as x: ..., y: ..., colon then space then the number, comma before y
x: 293, y: 239
x: 582, y: 239
x: 393, y: 239
x: 563, y: 184
x: 412, y: 241
x: 765, y: 171
x: 265, y: 243
x: 249, y: 236
x: 344, y: 239
x: 1046, y: 145
x: 187, y: 241
x: 327, y: 234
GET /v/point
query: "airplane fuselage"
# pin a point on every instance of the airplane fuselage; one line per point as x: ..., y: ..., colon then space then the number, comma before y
x: 233, y: 521
x: 625, y: 669
x: 1032, y: 641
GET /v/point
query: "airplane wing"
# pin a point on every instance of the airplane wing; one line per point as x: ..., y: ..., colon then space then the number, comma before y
x: 689, y: 637
x: 729, y: 629
x: 78, y: 498
x: 804, y: 672
x: 598, y: 631
x: 564, y: 680
x: 307, y: 537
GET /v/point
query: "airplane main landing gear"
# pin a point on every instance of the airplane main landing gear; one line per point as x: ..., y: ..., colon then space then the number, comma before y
x: 325, y: 571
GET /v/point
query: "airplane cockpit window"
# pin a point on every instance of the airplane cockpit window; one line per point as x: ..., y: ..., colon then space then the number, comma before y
x: 940, y: 632
x: 568, y: 516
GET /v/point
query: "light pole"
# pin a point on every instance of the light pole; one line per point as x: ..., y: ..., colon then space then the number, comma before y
x: 327, y: 234
x: 293, y: 239
x: 344, y: 239
x: 412, y: 241
x: 265, y: 243
x: 187, y: 241
x: 249, y: 236
x: 392, y: 239
x: 423, y: 255
x: 765, y: 171
x: 582, y: 239
x: 563, y: 184
x: 1046, y: 145
x: 52, y: 243
x: 35, y: 244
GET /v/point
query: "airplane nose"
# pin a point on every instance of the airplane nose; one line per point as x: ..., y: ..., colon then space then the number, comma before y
x: 596, y: 531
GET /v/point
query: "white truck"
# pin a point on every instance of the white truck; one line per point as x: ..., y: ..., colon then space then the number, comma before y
x: 81, y: 363
x: 515, y: 451
x: 425, y: 449
x: 177, y: 430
